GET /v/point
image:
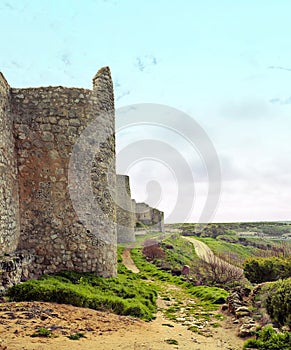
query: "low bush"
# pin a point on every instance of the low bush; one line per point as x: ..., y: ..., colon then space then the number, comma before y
x: 258, y: 270
x: 42, y: 332
x: 76, y: 336
x: 269, y: 339
x: 278, y: 302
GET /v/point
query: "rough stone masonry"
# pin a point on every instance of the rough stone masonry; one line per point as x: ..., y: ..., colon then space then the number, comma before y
x: 40, y: 231
x: 38, y: 129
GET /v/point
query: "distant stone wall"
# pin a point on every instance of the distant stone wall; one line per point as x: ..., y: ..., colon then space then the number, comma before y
x: 124, y: 211
x: 9, y: 202
x: 47, y: 124
x: 150, y: 216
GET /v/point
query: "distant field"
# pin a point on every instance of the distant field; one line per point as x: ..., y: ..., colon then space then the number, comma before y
x: 270, y: 229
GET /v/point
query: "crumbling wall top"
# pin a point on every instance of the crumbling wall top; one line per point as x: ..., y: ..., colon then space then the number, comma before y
x: 3, y: 83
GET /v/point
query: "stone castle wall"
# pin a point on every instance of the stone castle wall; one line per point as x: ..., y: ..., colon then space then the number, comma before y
x: 9, y: 203
x: 150, y: 216
x: 47, y: 124
x: 124, y: 211
x: 58, y: 211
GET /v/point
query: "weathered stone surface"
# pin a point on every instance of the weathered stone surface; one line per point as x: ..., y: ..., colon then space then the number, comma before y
x: 150, y: 216
x: 124, y: 211
x: 13, y: 269
x: 39, y: 128
x: 9, y: 202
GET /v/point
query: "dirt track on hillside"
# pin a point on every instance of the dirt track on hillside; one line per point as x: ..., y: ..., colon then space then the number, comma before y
x: 206, y: 254
x: 128, y: 262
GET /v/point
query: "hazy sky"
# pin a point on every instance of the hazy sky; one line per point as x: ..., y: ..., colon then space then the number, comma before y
x: 227, y: 64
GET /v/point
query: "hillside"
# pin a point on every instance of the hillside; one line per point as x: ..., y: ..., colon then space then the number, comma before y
x: 191, y: 312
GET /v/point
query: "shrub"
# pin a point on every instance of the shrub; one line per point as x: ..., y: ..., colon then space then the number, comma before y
x: 42, y: 332
x: 76, y: 336
x: 259, y: 270
x: 278, y: 302
x: 269, y: 339
x: 152, y: 251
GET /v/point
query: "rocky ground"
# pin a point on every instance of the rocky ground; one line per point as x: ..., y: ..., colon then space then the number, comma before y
x: 102, y: 330
x: 186, y: 327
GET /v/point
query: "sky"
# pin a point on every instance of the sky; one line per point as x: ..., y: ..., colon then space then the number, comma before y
x: 226, y: 64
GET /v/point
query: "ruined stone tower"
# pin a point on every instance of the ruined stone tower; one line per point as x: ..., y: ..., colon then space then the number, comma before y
x: 38, y: 130
x: 125, y: 211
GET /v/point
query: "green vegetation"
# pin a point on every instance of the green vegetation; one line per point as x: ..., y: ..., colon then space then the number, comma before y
x: 206, y: 294
x: 151, y: 271
x: 76, y: 336
x: 278, y: 302
x: 171, y: 341
x: 259, y: 270
x: 213, y: 230
x: 123, y: 295
x: 269, y: 339
x: 140, y: 238
x: 213, y: 295
x: 42, y: 332
x: 178, y: 252
x: 235, y: 252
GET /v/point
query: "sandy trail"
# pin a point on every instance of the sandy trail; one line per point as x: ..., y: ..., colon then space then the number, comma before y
x: 128, y: 262
x: 206, y: 254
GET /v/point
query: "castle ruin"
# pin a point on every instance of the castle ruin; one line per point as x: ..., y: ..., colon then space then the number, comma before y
x: 40, y: 232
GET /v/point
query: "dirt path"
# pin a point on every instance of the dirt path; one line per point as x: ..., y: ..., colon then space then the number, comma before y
x: 206, y: 254
x: 103, y: 330
x: 128, y: 262
x: 106, y: 331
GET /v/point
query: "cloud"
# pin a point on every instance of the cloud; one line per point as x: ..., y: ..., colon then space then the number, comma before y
x: 66, y: 59
x: 247, y: 108
x: 285, y: 101
x: 122, y: 94
x: 144, y: 62
x: 8, y: 5
x: 116, y: 84
x: 280, y: 68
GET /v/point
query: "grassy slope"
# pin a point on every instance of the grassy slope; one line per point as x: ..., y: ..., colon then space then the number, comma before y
x: 221, y: 247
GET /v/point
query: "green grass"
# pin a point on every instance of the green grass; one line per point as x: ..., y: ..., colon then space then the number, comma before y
x: 179, y: 252
x: 269, y: 339
x: 140, y: 238
x: 76, y: 336
x: 151, y: 271
x: 42, y: 332
x: 123, y: 295
x: 126, y: 294
x: 210, y: 295
x: 233, y: 250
